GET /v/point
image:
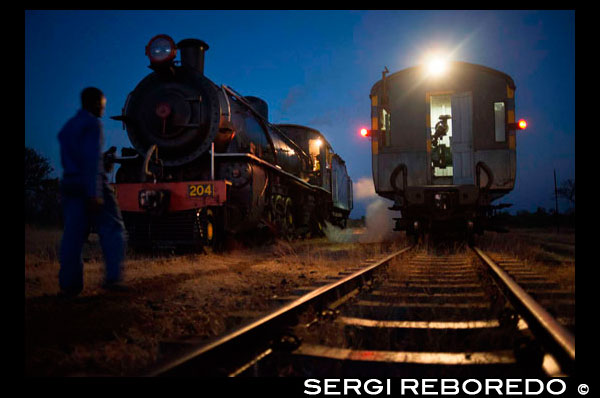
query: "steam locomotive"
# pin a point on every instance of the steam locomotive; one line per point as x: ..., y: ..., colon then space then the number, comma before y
x: 443, y: 144
x: 206, y: 163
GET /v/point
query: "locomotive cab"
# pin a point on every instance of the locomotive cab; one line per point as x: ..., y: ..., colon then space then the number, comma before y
x: 317, y: 147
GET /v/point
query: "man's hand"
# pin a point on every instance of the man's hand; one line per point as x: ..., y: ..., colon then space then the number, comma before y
x: 95, y: 204
x: 108, y: 159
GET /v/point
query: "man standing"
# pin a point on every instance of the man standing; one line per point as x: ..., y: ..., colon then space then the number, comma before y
x: 87, y: 199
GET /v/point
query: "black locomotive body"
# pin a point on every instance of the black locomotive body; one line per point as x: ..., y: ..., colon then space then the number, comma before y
x: 444, y: 146
x: 206, y: 161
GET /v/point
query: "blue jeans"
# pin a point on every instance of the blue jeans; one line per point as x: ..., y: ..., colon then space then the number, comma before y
x: 77, y: 221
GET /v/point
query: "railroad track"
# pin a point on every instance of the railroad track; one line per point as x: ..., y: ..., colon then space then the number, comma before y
x: 407, y: 314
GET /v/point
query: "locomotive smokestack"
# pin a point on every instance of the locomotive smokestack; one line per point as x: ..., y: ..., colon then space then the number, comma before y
x: 192, y: 53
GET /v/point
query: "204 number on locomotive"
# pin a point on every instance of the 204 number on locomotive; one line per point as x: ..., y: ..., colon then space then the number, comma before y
x: 198, y: 190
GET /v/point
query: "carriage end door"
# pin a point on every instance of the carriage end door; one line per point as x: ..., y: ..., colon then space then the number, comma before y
x: 462, y: 138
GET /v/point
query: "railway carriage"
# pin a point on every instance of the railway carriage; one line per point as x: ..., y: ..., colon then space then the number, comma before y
x: 444, y: 145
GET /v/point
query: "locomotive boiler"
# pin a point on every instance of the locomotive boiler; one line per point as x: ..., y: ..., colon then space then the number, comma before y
x: 206, y: 162
x: 444, y: 146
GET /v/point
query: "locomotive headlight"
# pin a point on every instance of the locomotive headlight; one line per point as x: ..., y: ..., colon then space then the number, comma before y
x: 161, y: 49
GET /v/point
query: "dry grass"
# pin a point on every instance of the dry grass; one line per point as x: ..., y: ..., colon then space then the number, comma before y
x: 200, y: 295
x: 549, y: 253
x: 174, y: 297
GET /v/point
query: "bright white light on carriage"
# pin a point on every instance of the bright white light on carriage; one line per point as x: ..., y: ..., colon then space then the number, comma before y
x: 318, y: 142
x: 437, y: 66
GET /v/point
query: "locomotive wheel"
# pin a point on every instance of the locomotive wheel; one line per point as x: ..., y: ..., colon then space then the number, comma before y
x: 279, y: 213
x: 471, y: 238
x: 413, y: 238
x: 270, y: 215
x: 321, y: 227
x: 288, y: 222
x: 344, y: 223
x: 212, y: 231
x: 318, y: 228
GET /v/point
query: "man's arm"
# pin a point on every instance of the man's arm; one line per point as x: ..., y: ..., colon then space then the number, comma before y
x: 92, y: 158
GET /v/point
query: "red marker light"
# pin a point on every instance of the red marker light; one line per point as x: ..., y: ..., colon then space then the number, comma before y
x: 364, y: 132
x: 522, y: 124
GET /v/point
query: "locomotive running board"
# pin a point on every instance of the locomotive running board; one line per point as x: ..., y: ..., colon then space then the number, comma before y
x: 271, y: 166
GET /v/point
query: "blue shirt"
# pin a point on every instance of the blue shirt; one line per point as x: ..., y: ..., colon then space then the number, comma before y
x: 81, y: 140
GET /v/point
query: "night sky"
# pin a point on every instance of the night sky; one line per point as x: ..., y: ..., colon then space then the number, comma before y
x: 314, y: 68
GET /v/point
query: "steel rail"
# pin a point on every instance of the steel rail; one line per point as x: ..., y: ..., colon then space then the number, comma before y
x: 206, y: 359
x: 558, y: 337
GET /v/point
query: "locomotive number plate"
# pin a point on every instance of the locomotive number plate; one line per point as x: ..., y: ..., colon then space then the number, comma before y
x: 196, y: 190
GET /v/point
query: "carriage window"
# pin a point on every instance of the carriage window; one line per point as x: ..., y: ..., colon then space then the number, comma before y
x: 385, y: 127
x: 500, y: 120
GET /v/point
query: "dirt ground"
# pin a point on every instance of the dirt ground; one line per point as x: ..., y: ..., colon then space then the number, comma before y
x: 173, y: 297
x: 198, y: 296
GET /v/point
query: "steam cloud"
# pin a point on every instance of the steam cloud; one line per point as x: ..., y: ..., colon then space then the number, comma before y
x: 379, y: 222
x: 364, y: 189
x: 379, y: 225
